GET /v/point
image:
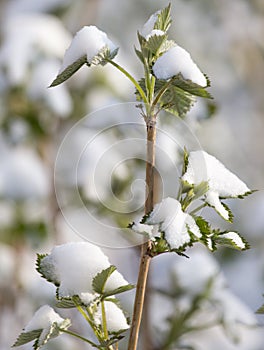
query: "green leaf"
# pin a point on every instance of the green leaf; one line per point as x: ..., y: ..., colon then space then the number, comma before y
x: 155, y: 44
x: 139, y: 55
x: 69, y: 71
x: 100, y: 279
x: 190, y: 86
x: 200, y: 190
x: 163, y: 21
x: 260, y: 310
x: 230, y: 214
x: 103, y: 57
x: 174, y: 99
x: 26, y: 337
x: 119, y: 290
x: 65, y: 303
x: 203, y: 225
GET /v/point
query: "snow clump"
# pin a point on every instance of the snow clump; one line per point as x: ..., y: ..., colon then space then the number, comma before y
x: 171, y: 220
x: 43, y: 318
x: 88, y: 41
x: 73, y: 267
x: 222, y: 183
x: 150, y: 24
x: 177, y: 60
x: 115, y: 318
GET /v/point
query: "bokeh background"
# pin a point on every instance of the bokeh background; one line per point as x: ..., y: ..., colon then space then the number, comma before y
x: 225, y: 38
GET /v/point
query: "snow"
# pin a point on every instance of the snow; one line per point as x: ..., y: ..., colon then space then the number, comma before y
x: 74, y: 265
x: 193, y: 276
x: 49, y: 37
x: 88, y: 41
x: 155, y: 32
x: 177, y: 60
x: 58, y: 99
x: 115, y: 318
x: 205, y: 267
x: 222, y: 183
x: 149, y: 25
x: 43, y: 318
x: 233, y: 236
x: 22, y: 174
x: 142, y: 228
x: 173, y: 222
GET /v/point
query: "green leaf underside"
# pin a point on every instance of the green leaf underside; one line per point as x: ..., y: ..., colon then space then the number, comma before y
x: 101, y: 278
x: 65, y: 303
x: 69, y: 71
x: 119, y: 290
x: 68, y: 302
x: 26, y: 337
x: 43, y: 272
x: 190, y: 86
x: 177, y: 101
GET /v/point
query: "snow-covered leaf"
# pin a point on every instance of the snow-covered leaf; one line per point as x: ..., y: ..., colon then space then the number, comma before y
x: 44, y: 325
x: 101, y: 278
x: 177, y: 61
x: 46, y: 270
x: 91, y: 46
x: 231, y: 240
x: 222, y: 182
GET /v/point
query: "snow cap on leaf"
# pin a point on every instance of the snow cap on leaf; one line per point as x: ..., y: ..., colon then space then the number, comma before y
x: 177, y: 60
x: 73, y: 266
x: 42, y: 327
x: 89, y: 46
x: 167, y: 217
x: 222, y: 182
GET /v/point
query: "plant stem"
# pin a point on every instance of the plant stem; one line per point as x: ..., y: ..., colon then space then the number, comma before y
x: 133, y: 80
x: 145, y: 248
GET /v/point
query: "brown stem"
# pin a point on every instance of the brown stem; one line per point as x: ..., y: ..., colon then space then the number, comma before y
x: 145, y: 248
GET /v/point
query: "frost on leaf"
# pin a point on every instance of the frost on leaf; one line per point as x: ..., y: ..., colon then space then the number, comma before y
x: 222, y: 183
x: 44, y: 325
x: 73, y: 266
x: 90, y: 46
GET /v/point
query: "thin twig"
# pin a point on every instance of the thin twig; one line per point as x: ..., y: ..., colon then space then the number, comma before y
x: 145, y: 256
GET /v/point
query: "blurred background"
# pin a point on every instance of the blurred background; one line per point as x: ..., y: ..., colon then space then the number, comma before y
x: 224, y: 37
